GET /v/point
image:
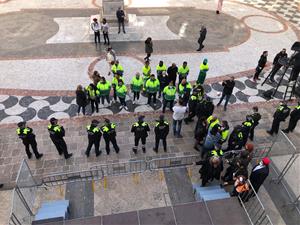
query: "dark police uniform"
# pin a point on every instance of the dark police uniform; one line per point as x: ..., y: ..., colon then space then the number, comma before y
x: 109, y: 135
x: 94, y: 136
x: 28, y: 139
x: 140, y: 130
x: 57, y: 134
x: 246, y: 128
x: 192, y: 107
x: 281, y: 113
x: 294, y: 117
x: 235, y: 141
x: 161, y: 131
x: 256, y: 118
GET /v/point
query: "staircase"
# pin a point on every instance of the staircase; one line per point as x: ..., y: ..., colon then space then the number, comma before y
x: 209, y: 193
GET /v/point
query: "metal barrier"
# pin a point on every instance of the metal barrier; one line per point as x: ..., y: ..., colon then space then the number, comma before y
x: 172, y: 162
x: 63, y: 178
x: 254, y: 208
x: 122, y: 168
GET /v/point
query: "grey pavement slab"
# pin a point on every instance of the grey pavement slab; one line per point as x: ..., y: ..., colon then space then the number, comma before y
x: 157, y: 216
x: 130, y: 218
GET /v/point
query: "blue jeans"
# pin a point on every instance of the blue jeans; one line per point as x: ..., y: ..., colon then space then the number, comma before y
x: 227, y: 97
x: 177, y: 129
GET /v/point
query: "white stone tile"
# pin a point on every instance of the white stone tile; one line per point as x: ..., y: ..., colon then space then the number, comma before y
x: 12, y: 119
x: 59, y: 115
x: 60, y: 106
x: 3, y: 97
x: 15, y: 110
x: 37, y: 105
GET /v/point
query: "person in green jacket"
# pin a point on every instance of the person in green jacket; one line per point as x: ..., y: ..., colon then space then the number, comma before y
x: 117, y: 68
x: 169, y: 94
x: 202, y: 73
x: 183, y: 71
x: 184, y: 91
x: 114, y: 84
x: 136, y: 86
x: 121, y: 91
x: 152, y: 87
x: 146, y: 72
x: 104, y: 87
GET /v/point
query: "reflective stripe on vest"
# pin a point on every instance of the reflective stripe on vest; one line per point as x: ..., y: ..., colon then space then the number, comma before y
x: 217, y: 153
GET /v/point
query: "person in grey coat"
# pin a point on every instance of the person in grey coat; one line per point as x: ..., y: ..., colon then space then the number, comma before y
x: 148, y: 48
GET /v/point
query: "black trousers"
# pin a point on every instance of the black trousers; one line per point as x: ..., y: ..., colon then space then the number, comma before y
x: 137, y: 140
x: 31, y: 142
x: 251, y: 133
x: 150, y: 95
x: 97, y: 36
x: 275, y: 126
x: 275, y: 69
x: 161, y: 89
x: 121, y: 23
x: 171, y: 103
x: 61, y: 146
x: 94, y: 142
x: 147, y: 56
x: 122, y: 101
x: 105, y: 97
x: 164, y: 140
x: 191, y: 115
x: 94, y: 103
x: 115, y: 93
x: 136, y: 95
x: 200, y: 42
x: 106, y: 38
x: 114, y: 143
x: 257, y: 72
x: 292, y: 124
x: 81, y: 107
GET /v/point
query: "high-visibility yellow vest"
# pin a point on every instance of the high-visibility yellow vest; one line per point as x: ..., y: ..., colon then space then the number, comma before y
x: 136, y: 84
x: 115, y: 68
x: 169, y: 93
x: 183, y: 71
x: 104, y: 89
x: 181, y: 88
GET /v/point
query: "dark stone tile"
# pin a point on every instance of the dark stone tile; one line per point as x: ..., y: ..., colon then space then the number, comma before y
x: 207, y: 88
x: 217, y: 87
x: 158, y: 216
x: 26, y: 101
x: 28, y: 114
x: 67, y: 99
x: 72, y: 110
x: 249, y: 83
x: 240, y: 85
x: 52, y: 99
x: 45, y: 112
x: 130, y: 218
x: 10, y: 102
x: 241, y: 96
x: 192, y: 214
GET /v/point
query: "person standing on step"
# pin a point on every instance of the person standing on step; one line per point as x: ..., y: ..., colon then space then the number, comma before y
x: 183, y: 71
x: 281, y: 113
x: 109, y: 135
x: 228, y: 86
x: 203, y: 71
x: 152, y: 87
x: 256, y: 118
x: 202, y: 37
x: 92, y: 94
x: 96, y: 28
x: 259, y: 173
x: 57, y: 134
x: 121, y: 19
x: 146, y: 70
x: 294, y: 117
x: 276, y: 64
x: 136, y: 87
x: 161, y: 131
x: 81, y: 99
x: 140, y: 130
x: 105, y: 29
x: 121, y: 91
x: 261, y: 65
x: 179, y: 111
x: 235, y: 141
x: 148, y: 48
x: 94, y: 137
x: 104, y: 88
x: 28, y: 138
x: 169, y: 95
x: 246, y: 128
x: 192, y: 103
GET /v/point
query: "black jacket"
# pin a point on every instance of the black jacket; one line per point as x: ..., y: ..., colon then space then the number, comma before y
x: 281, y: 115
x: 120, y: 15
x: 81, y: 99
x: 94, y: 135
x: 256, y: 118
x: 56, y: 134
x: 279, y: 56
x: 202, y: 35
x: 140, y: 129
x: 172, y: 73
x: 295, y: 114
x: 205, y: 109
x: 228, y: 86
x: 161, y: 129
x: 258, y: 176
x: 262, y: 61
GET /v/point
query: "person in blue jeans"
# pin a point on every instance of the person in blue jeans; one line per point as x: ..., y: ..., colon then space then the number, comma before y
x: 227, y: 91
x: 179, y: 111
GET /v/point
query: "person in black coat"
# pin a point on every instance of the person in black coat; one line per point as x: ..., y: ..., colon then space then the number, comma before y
x: 261, y: 65
x: 161, y: 131
x: 202, y: 37
x: 121, y: 18
x: 140, y: 130
x: 205, y: 108
x: 294, y: 117
x: 259, y: 173
x: 193, y: 102
x: 211, y: 169
x: 235, y: 141
x: 148, y: 48
x: 81, y: 99
x: 172, y: 73
x: 227, y: 91
x: 256, y: 118
x: 276, y: 64
x: 281, y: 113
x: 94, y: 137
x: 200, y: 132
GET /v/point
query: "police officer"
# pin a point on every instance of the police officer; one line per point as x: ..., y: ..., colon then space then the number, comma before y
x: 235, y: 141
x: 161, y: 131
x: 183, y: 71
x: 224, y: 131
x: 57, y: 134
x: 26, y: 134
x: 192, y: 107
x: 140, y: 130
x: 294, y: 117
x: 152, y: 87
x: 205, y: 107
x: 109, y: 135
x: 216, y: 152
x: 281, y: 113
x: 169, y: 94
x: 256, y: 118
x: 246, y: 128
x: 94, y: 136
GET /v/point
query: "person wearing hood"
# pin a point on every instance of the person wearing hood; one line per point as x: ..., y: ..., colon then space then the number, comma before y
x: 140, y: 130
x: 203, y: 71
